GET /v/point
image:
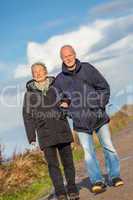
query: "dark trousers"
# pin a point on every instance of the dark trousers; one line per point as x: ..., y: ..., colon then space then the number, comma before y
x: 66, y: 158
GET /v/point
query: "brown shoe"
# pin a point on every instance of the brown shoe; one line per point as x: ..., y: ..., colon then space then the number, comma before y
x: 98, y: 187
x: 116, y: 182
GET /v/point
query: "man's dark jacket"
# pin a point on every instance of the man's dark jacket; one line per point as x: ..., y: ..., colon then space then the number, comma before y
x: 43, y: 117
x: 89, y: 93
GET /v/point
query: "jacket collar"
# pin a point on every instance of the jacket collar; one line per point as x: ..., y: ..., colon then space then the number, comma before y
x: 30, y: 85
x: 66, y: 71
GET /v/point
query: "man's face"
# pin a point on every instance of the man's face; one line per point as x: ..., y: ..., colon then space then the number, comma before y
x: 68, y: 57
x: 39, y: 73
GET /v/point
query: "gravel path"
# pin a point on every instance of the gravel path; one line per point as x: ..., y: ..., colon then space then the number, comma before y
x: 123, y: 142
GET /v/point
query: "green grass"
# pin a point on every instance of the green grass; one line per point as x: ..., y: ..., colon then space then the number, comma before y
x: 78, y: 154
x: 33, y: 192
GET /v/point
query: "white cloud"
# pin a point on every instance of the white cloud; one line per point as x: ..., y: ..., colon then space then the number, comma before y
x: 113, y: 59
x: 112, y: 7
x: 115, y: 62
x: 83, y: 40
x: 1, y: 66
x: 48, y: 52
x: 4, y: 67
x: 116, y: 49
x: 118, y: 71
x: 22, y: 70
x: 11, y: 110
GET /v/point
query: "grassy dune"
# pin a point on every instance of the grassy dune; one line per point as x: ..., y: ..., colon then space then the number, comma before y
x: 23, y: 176
x: 121, y: 119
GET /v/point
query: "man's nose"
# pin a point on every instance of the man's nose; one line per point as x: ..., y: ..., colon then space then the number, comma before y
x: 38, y: 74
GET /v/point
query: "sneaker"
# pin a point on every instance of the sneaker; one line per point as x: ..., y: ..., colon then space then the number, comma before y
x: 116, y: 182
x: 62, y: 197
x: 74, y: 196
x: 98, y: 187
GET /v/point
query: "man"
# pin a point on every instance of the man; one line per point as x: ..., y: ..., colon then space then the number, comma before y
x: 89, y: 93
x: 42, y: 115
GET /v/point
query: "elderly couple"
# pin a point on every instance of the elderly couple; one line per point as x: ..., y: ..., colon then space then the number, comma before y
x: 81, y: 93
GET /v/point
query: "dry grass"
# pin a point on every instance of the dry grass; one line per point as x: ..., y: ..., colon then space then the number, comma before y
x: 22, y: 171
x: 121, y: 118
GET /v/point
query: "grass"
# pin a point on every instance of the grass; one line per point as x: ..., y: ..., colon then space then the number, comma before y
x: 78, y: 154
x: 33, y: 192
x: 121, y: 119
x: 25, y: 177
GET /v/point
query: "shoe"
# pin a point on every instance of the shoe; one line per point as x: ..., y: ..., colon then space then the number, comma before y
x: 116, y: 182
x: 62, y: 197
x: 98, y: 187
x: 74, y: 196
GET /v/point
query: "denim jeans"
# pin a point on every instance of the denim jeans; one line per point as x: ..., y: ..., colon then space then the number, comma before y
x: 110, y: 154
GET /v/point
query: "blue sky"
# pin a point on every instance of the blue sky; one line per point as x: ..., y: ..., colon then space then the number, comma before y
x: 22, y: 21
x: 100, y: 31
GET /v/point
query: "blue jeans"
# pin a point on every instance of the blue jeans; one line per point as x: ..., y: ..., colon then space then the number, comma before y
x: 111, y: 158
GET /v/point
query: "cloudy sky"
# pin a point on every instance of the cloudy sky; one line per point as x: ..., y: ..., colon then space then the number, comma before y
x: 100, y: 31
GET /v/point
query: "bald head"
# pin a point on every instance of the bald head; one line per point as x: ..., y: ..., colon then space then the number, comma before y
x: 68, y: 56
x: 67, y: 47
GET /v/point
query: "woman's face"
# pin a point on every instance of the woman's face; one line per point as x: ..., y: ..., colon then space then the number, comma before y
x: 39, y: 73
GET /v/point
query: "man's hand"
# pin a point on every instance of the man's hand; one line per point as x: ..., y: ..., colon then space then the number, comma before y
x: 64, y: 105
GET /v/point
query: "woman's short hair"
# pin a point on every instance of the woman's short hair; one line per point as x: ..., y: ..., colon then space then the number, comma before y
x: 39, y: 63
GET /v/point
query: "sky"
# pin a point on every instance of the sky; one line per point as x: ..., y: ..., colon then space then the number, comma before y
x: 101, y: 32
